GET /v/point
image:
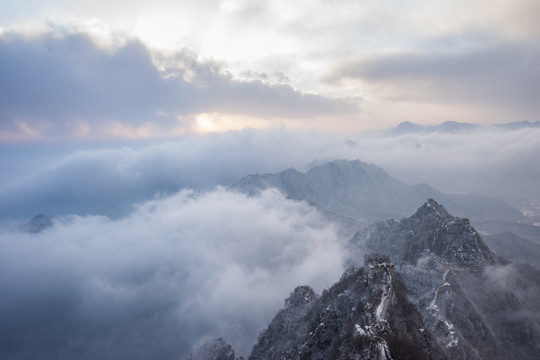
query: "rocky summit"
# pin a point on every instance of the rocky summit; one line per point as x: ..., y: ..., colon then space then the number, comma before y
x: 365, y: 315
x: 430, y: 231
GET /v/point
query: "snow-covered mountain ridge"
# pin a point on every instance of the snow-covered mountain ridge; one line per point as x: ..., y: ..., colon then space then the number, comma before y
x: 431, y: 230
x: 429, y: 288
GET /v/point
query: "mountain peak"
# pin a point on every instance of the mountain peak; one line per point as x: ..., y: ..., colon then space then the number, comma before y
x: 37, y: 224
x: 431, y: 208
x: 340, y: 166
x: 430, y: 231
x: 353, y: 319
x: 407, y: 126
x: 300, y: 296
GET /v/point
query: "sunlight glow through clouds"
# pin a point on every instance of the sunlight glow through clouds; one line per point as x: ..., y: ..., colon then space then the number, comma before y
x: 161, y: 32
x: 313, y: 44
x: 215, y: 122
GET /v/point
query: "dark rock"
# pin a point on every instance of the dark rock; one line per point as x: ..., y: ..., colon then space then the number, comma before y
x: 216, y: 349
x: 366, y: 315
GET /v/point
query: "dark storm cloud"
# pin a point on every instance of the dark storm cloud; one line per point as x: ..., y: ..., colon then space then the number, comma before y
x: 152, y: 284
x: 52, y: 83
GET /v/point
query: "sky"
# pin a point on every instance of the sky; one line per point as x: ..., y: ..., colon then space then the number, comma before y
x: 126, y: 121
x: 140, y: 69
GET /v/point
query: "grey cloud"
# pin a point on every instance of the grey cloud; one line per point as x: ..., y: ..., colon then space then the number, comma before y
x: 71, y: 78
x: 152, y: 284
x: 51, y: 82
x: 497, y: 75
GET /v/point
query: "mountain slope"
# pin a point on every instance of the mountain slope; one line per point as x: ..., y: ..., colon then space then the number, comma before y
x: 37, y: 224
x: 365, y: 315
x: 448, y: 127
x: 476, y: 306
x: 431, y: 230
x: 365, y: 193
x: 444, y: 295
x: 514, y: 248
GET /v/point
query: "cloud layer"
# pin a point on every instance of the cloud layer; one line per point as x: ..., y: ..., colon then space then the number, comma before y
x: 139, y: 266
x: 157, y: 277
x: 152, y: 284
x: 485, y: 161
x: 108, y: 181
x: 498, y: 78
x: 415, y: 61
x: 65, y: 86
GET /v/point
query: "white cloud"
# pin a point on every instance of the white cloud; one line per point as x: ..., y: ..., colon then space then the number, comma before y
x: 173, y: 271
x: 109, y: 181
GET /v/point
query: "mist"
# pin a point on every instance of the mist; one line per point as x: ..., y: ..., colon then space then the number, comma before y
x: 176, y: 270
x: 148, y: 255
x: 486, y: 161
x: 108, y: 180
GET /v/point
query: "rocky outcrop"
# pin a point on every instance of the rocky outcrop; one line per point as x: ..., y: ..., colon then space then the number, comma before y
x: 215, y: 349
x: 456, y: 283
x: 431, y: 230
x: 365, y: 315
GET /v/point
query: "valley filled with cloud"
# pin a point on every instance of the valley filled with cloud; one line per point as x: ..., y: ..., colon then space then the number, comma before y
x: 127, y: 123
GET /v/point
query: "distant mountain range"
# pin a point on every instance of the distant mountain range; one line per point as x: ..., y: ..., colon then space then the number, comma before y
x: 364, y: 193
x: 356, y: 194
x: 451, y: 127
